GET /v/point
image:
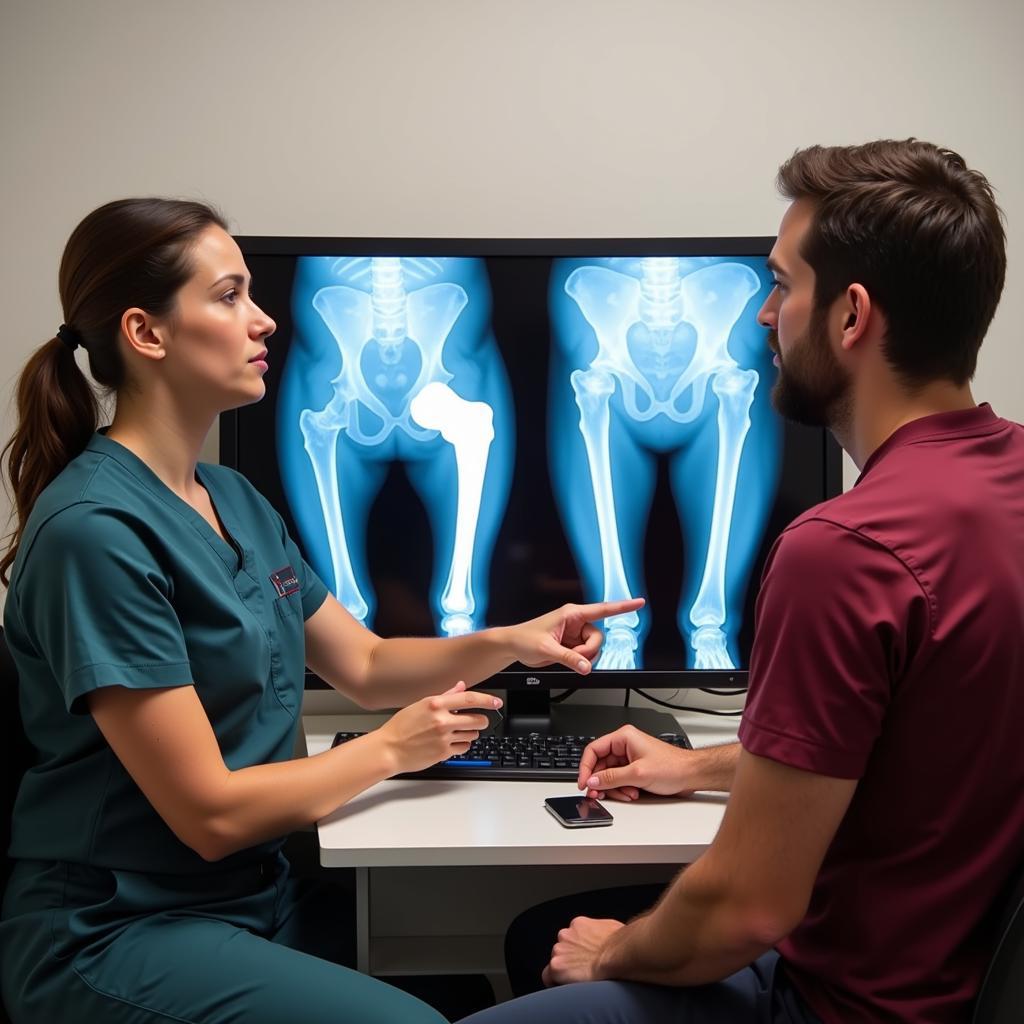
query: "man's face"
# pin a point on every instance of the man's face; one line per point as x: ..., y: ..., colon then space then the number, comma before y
x: 812, y: 387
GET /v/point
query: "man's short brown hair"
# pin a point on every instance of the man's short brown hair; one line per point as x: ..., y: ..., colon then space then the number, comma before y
x: 920, y: 231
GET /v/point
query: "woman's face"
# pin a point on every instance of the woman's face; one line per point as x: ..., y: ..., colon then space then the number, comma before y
x: 216, y: 353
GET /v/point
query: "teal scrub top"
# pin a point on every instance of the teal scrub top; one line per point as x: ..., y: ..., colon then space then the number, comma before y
x: 119, y: 582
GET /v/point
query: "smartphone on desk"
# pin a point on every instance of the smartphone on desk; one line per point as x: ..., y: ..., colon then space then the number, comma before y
x: 578, y: 811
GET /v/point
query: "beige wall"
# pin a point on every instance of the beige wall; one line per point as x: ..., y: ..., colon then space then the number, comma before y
x: 481, y: 117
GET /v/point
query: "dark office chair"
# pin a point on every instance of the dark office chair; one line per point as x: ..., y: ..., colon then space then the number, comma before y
x: 1001, y: 999
x: 15, y: 750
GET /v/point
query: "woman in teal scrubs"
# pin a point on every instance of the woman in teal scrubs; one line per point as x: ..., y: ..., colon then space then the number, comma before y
x: 160, y: 619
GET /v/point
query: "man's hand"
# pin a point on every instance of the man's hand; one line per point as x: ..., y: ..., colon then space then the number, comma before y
x: 567, y: 635
x: 626, y: 761
x: 575, y: 955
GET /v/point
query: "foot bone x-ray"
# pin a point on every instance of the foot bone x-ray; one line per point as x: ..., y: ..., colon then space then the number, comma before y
x: 393, y: 360
x: 656, y: 358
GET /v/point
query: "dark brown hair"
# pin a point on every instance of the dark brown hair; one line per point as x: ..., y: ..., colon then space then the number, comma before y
x: 920, y: 231
x: 131, y: 252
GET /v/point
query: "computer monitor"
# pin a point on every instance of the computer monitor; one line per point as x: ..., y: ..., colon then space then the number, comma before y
x: 464, y: 433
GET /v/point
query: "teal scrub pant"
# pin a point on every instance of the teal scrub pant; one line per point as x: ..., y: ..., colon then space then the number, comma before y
x: 85, y: 945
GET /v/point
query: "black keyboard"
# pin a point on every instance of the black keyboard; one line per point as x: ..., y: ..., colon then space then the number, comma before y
x: 536, y: 756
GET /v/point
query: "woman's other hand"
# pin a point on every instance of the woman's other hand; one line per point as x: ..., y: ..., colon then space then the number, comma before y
x: 436, y: 728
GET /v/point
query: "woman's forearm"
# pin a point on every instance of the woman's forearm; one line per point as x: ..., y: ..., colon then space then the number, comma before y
x: 405, y: 669
x: 265, y: 801
x: 385, y: 673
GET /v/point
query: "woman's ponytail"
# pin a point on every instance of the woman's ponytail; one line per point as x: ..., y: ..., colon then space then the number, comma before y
x: 131, y: 252
x: 57, y: 414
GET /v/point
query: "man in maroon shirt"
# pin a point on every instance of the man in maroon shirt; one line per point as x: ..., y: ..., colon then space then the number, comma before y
x: 876, y: 804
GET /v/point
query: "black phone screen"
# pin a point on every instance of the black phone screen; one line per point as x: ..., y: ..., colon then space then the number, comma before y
x: 578, y: 811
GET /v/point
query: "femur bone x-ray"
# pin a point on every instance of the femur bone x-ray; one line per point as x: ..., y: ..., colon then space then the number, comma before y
x: 395, y: 359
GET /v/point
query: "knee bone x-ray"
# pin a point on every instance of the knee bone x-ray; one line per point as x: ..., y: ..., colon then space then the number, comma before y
x: 522, y: 430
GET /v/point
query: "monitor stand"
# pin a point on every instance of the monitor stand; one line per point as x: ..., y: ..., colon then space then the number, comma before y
x: 529, y: 711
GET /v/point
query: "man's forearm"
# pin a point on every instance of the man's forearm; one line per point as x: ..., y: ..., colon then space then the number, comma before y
x: 710, y: 768
x: 696, y: 934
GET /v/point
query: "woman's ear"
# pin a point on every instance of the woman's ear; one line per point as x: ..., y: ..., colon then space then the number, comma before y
x: 142, y: 334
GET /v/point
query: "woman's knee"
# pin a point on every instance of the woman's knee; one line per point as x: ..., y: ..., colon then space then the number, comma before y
x: 364, y: 1000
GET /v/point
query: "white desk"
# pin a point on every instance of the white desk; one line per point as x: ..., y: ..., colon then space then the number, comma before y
x: 405, y: 823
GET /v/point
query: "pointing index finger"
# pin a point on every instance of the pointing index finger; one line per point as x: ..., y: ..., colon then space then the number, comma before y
x: 606, y: 609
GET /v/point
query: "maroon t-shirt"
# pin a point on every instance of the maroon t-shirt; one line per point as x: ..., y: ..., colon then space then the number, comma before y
x: 889, y: 648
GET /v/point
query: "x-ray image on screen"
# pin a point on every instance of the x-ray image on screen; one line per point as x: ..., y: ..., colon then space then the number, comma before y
x: 662, y: 358
x: 393, y: 360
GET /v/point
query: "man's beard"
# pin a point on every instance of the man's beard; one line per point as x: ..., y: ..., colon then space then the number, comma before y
x: 811, y: 388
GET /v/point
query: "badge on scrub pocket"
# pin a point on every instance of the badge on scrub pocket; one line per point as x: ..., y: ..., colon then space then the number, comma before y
x: 285, y: 581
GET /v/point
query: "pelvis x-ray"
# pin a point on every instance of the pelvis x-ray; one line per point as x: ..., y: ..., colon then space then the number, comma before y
x: 394, y: 360
x: 662, y: 358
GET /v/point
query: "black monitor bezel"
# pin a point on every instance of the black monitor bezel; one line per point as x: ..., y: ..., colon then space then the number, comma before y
x: 554, y: 677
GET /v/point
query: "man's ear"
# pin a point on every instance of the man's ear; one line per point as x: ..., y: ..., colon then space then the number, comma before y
x: 143, y: 334
x: 856, y: 315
